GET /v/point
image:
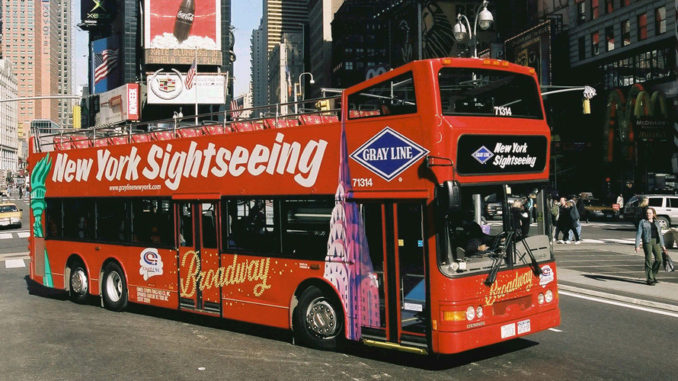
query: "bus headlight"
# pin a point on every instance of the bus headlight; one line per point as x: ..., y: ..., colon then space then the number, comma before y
x: 470, y: 313
x: 479, y: 312
x: 549, y: 296
x: 540, y: 298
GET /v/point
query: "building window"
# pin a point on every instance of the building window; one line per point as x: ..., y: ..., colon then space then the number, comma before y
x: 594, y: 9
x: 609, y: 38
x: 582, y: 48
x: 595, y: 48
x: 609, y: 6
x: 581, y: 11
x: 660, y: 20
x: 626, y: 32
x: 624, y: 3
x: 642, y: 27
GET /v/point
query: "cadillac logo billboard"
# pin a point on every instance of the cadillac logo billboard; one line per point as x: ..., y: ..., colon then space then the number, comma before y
x: 487, y: 154
x: 169, y: 87
x: 175, y: 29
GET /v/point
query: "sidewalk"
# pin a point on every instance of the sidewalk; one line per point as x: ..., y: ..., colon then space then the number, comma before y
x: 663, y: 295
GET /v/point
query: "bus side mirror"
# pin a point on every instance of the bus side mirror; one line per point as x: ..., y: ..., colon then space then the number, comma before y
x: 449, y: 196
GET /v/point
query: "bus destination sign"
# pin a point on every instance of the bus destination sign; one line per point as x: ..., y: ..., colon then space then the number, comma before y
x: 487, y: 154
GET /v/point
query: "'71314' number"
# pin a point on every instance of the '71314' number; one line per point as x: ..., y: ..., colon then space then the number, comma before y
x: 362, y: 182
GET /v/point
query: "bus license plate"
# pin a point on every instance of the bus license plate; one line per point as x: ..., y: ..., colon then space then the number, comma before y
x: 523, y: 326
x: 508, y: 330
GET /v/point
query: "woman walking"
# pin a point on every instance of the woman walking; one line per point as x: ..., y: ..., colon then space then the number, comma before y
x: 653, y: 243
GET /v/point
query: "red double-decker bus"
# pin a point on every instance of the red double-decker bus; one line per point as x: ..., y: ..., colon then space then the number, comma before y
x: 370, y: 224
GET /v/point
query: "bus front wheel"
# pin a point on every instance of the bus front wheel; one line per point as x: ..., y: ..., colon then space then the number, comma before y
x: 114, y: 287
x: 318, y: 320
x: 78, y: 289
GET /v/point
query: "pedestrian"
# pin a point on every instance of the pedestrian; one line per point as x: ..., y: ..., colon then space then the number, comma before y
x: 575, y: 226
x: 620, y: 203
x: 555, y: 210
x: 564, y: 222
x: 520, y: 218
x: 21, y: 192
x: 581, y: 212
x: 653, y: 244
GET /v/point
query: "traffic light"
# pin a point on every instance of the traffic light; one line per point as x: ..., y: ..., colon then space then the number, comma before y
x: 323, y: 105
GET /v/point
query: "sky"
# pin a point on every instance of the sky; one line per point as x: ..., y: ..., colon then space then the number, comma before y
x: 245, y: 16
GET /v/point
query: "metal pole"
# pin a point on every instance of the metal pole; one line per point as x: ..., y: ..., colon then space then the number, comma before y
x: 419, y: 31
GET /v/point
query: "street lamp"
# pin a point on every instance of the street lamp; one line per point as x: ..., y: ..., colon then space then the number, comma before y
x: 296, y: 109
x: 483, y: 18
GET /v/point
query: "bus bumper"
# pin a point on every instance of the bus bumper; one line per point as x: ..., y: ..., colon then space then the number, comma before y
x: 455, y: 342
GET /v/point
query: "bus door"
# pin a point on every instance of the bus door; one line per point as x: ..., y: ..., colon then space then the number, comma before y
x: 198, y: 256
x: 395, y: 238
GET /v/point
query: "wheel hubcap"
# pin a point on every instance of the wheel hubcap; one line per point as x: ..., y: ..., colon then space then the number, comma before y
x: 321, y: 318
x: 114, y: 286
x: 79, y: 282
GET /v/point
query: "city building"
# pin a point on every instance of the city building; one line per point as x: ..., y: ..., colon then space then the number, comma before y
x: 360, y: 42
x: 285, y: 63
x: 320, y: 16
x: 9, y: 144
x: 64, y: 61
x: 31, y: 42
x: 627, y: 50
x: 259, y: 67
x: 282, y: 16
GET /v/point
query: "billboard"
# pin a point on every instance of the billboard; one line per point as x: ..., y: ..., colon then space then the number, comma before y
x: 106, y: 65
x: 175, y: 29
x: 119, y: 105
x: 532, y: 48
x: 97, y: 12
x: 170, y: 88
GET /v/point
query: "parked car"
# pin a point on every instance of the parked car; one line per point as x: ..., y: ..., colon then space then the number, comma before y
x: 597, y: 209
x: 10, y: 215
x: 4, y: 192
x: 666, y: 206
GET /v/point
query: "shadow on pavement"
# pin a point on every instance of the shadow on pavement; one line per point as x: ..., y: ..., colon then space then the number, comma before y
x: 610, y: 277
x: 35, y: 288
x: 438, y: 362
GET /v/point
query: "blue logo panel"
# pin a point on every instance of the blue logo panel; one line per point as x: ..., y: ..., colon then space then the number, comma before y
x: 482, y: 154
x: 388, y: 153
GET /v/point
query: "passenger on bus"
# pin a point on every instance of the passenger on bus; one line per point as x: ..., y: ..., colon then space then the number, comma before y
x: 155, y: 235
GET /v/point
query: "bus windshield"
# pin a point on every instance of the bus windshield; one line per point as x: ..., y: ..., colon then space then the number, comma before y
x: 482, y: 92
x: 478, y: 237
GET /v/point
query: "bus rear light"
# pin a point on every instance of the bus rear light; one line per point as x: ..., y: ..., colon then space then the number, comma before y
x: 470, y: 313
x: 540, y: 298
x: 549, y: 296
x: 454, y: 315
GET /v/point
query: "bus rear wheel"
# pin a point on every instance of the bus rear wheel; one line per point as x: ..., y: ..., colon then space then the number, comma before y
x: 78, y: 289
x: 114, y: 287
x: 318, y: 321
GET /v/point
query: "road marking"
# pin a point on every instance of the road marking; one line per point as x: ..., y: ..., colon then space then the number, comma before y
x: 14, y: 263
x: 5, y: 235
x: 555, y: 330
x: 23, y: 234
x: 619, y: 304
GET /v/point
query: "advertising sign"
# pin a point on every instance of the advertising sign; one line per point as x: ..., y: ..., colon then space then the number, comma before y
x: 532, y: 48
x: 96, y: 12
x: 119, y: 105
x: 106, y: 57
x: 174, y: 29
x: 170, y: 88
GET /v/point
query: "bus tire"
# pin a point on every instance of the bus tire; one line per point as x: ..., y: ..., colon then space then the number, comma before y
x: 114, y: 287
x: 78, y: 283
x: 318, y: 320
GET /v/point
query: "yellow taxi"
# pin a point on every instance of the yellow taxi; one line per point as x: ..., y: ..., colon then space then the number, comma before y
x: 10, y: 215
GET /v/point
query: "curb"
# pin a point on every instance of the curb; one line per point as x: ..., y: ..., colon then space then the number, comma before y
x: 620, y: 298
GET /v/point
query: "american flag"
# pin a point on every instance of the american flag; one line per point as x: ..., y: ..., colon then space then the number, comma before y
x: 191, y: 74
x: 236, y: 109
x: 105, y: 62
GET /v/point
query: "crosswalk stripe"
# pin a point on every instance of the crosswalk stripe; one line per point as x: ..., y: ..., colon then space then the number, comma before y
x: 14, y: 263
x: 23, y: 234
x: 5, y: 235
